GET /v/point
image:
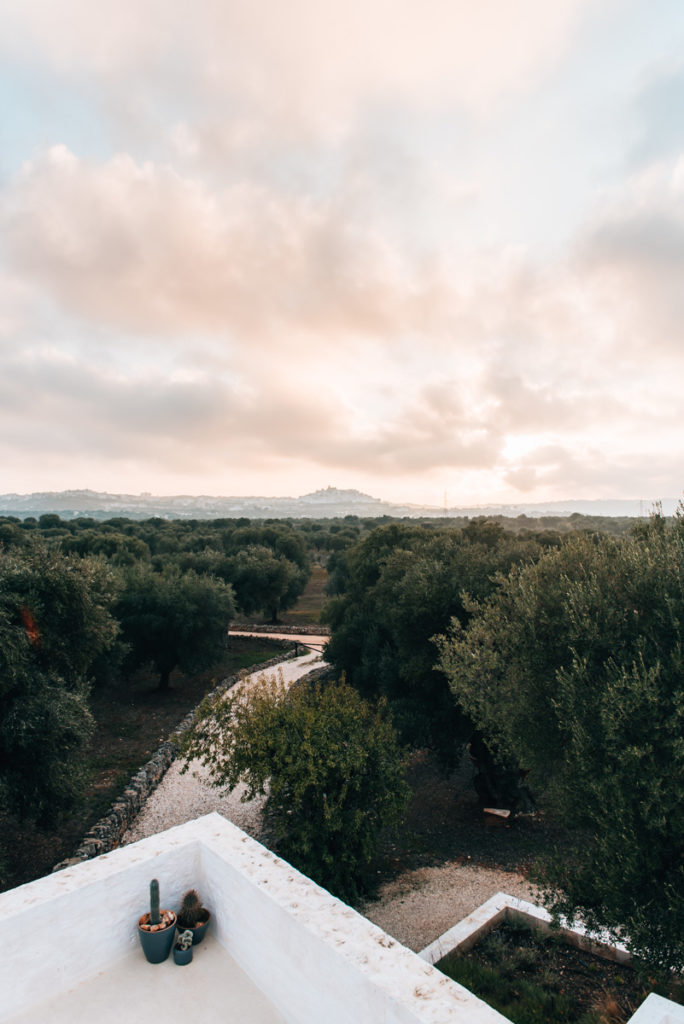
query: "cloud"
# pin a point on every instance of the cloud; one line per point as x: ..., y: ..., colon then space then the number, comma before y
x: 589, y: 471
x: 62, y: 407
x: 631, y: 258
x: 307, y: 61
x: 660, y: 133
x: 282, y: 331
x: 139, y: 246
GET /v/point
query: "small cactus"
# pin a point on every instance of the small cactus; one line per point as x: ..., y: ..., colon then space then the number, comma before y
x: 184, y: 940
x: 191, y: 912
x: 154, y: 902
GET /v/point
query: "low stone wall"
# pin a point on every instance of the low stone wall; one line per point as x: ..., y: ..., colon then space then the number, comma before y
x: 261, y: 627
x: 106, y: 834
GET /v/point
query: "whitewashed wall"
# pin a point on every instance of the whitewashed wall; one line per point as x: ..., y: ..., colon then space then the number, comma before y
x: 314, y: 957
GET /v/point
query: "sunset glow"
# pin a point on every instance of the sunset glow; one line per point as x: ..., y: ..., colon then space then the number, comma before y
x: 250, y: 247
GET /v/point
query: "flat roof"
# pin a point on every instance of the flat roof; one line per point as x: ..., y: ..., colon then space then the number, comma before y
x: 211, y: 989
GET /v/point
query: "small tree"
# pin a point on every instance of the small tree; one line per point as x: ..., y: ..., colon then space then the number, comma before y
x: 64, y: 603
x: 328, y: 762
x: 174, y: 619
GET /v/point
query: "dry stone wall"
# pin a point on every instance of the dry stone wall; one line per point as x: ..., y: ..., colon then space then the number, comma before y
x: 106, y: 834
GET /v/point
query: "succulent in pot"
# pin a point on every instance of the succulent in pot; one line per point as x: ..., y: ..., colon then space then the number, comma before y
x: 156, y: 928
x: 182, y: 948
x: 193, y: 916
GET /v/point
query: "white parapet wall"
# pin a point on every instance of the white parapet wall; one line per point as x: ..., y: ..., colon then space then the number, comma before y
x: 312, y: 956
x: 502, y: 907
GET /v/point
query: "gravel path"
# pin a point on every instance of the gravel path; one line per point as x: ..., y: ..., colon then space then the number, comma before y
x: 415, y: 908
x: 418, y: 906
x: 180, y: 798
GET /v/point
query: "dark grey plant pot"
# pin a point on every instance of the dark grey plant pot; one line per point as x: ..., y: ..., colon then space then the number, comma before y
x: 156, y: 945
x: 200, y: 931
x: 182, y: 956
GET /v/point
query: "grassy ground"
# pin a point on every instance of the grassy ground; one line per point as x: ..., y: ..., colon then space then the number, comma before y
x: 530, y: 977
x: 308, y: 608
x: 133, y: 718
x: 309, y: 605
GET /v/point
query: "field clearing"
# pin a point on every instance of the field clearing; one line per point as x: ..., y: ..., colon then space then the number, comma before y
x: 307, y: 609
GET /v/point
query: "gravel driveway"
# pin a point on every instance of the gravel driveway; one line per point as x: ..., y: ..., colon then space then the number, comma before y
x: 415, y: 908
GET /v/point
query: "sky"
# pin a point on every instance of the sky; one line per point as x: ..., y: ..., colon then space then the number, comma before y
x: 424, y: 249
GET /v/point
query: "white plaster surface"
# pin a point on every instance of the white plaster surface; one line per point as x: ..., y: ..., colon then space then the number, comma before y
x: 211, y: 989
x: 501, y: 906
x: 656, y: 1010
x: 311, y: 956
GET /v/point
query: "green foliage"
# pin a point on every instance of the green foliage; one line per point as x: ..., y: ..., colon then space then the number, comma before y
x: 328, y: 763
x: 265, y: 581
x: 54, y: 622
x: 575, y: 667
x: 63, y: 602
x: 119, y: 548
x: 173, y: 619
x: 154, y: 901
x: 519, y: 1000
x: 401, y: 586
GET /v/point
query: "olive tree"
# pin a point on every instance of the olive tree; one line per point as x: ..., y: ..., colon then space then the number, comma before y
x: 54, y: 622
x: 575, y: 666
x: 327, y: 761
x: 173, y: 619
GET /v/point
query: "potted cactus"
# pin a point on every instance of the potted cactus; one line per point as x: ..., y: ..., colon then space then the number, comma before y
x: 182, y: 948
x: 156, y: 928
x: 193, y: 916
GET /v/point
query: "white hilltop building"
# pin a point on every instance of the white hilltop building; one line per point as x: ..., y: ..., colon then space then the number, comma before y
x: 280, y: 950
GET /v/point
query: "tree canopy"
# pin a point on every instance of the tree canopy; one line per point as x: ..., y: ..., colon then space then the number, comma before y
x: 173, y: 619
x: 54, y: 622
x: 399, y: 587
x: 328, y: 763
x: 574, y: 666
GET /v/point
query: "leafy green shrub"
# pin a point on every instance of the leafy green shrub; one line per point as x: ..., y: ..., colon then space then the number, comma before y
x: 54, y: 621
x: 328, y: 763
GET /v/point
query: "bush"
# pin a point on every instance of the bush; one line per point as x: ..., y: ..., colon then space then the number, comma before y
x: 328, y: 763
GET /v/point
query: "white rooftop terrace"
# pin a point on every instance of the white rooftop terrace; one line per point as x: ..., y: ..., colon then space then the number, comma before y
x: 280, y: 948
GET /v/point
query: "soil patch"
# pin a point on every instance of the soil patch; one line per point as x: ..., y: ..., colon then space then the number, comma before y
x: 530, y: 977
x: 445, y: 823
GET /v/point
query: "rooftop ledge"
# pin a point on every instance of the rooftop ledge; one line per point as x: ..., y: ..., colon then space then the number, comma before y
x: 280, y: 948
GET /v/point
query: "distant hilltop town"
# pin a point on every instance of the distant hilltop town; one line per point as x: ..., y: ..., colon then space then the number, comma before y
x: 329, y: 502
